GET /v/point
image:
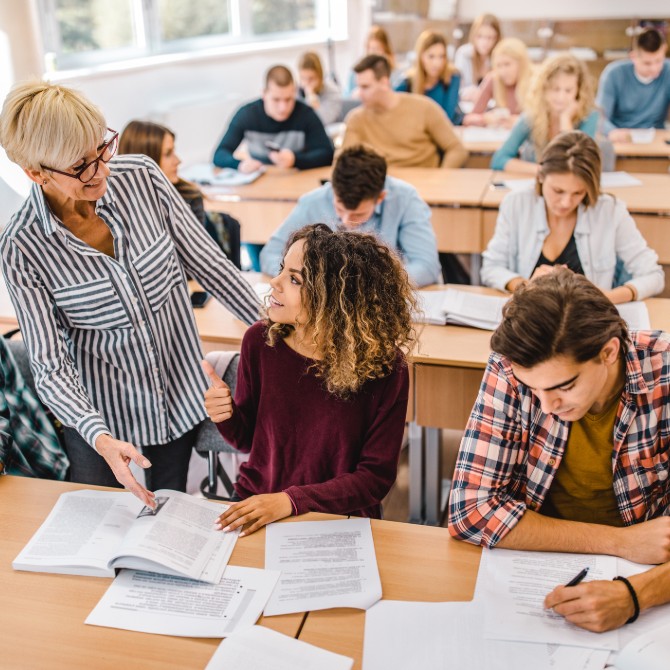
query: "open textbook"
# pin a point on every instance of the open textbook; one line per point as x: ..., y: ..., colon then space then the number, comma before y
x: 166, y: 605
x: 94, y: 532
x: 467, y: 308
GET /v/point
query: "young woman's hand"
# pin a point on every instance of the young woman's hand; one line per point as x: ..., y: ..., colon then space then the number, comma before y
x: 218, y: 400
x: 255, y: 512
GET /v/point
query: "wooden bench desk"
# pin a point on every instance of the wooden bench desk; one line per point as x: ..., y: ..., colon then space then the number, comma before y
x: 42, y: 615
x: 651, y: 157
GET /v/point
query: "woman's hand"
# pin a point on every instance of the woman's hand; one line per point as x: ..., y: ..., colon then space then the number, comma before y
x: 543, y: 270
x: 218, y: 400
x: 118, y: 455
x: 255, y: 512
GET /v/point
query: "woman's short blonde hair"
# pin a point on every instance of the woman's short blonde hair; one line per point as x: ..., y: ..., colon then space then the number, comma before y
x: 43, y: 124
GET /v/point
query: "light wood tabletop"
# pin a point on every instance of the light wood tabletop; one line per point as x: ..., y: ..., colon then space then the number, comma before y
x: 42, y: 615
x: 416, y: 563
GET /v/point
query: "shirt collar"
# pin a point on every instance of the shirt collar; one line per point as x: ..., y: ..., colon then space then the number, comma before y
x: 635, y: 382
x: 48, y: 221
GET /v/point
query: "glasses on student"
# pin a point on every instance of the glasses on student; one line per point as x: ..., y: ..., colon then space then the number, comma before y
x: 87, y: 171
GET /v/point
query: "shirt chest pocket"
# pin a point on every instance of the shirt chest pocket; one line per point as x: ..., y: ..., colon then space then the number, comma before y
x: 159, y: 271
x: 653, y: 474
x: 92, y: 306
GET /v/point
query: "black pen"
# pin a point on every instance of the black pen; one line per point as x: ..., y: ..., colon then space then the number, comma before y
x: 578, y: 578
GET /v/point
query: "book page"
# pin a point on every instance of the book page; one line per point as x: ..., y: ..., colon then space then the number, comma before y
x: 323, y: 564
x: 177, y: 537
x: 472, y: 309
x: 81, y: 533
x: 515, y: 584
x: 259, y: 648
x: 152, y: 603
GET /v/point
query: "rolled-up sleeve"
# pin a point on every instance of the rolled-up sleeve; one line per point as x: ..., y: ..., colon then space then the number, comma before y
x: 482, y: 507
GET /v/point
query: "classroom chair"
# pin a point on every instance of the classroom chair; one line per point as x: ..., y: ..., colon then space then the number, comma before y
x: 209, y: 443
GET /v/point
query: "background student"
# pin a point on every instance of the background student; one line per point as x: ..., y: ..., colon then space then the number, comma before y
x: 561, y: 99
x: 322, y: 385
x: 277, y: 129
x: 320, y: 93
x: 95, y: 262
x: 361, y: 197
x: 635, y: 93
x: 376, y: 44
x: 433, y: 75
x: 382, y: 122
x: 506, y: 86
x: 473, y: 59
x: 566, y: 221
x: 157, y: 142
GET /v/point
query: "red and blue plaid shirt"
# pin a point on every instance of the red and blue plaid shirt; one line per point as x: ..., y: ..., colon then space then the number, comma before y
x: 512, y: 450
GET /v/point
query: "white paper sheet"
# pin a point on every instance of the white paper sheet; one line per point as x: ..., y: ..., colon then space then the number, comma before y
x: 516, y: 583
x: 259, y: 648
x: 323, y: 564
x: 635, y: 314
x: 475, y: 134
x: 649, y: 651
x: 166, y: 605
x: 618, y: 179
x: 401, y: 635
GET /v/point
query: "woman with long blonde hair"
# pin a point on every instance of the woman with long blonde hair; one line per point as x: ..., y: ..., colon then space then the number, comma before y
x: 506, y: 85
x: 322, y: 384
x: 433, y: 75
x: 473, y: 59
x: 560, y: 99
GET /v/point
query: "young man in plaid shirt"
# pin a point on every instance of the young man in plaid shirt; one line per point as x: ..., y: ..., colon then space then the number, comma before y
x: 568, y: 445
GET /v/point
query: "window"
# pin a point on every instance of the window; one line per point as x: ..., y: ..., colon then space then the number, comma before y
x: 83, y: 33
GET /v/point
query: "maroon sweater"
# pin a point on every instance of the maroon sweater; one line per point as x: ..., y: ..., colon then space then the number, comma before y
x: 327, y: 454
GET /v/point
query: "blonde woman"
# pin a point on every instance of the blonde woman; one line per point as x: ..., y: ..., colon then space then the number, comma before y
x: 506, y: 84
x: 322, y: 95
x: 473, y: 60
x: 560, y: 99
x: 323, y: 384
x: 433, y: 74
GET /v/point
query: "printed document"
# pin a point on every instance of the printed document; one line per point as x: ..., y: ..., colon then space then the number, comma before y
x: 259, y: 648
x: 166, y: 605
x: 92, y: 533
x: 323, y: 564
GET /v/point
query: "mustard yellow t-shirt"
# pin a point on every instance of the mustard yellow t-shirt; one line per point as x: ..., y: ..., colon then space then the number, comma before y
x: 582, y: 487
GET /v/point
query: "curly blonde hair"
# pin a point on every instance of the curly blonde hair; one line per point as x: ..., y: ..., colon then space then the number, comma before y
x: 536, y: 108
x: 358, y: 303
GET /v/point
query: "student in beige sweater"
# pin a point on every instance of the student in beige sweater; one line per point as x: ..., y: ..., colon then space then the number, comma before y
x: 408, y: 130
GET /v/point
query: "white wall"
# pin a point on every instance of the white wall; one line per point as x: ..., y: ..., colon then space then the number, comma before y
x: 571, y: 9
x: 195, y: 97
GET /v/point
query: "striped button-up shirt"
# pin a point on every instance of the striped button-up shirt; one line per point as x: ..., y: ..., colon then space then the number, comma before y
x: 28, y: 443
x: 113, y: 342
x: 512, y: 450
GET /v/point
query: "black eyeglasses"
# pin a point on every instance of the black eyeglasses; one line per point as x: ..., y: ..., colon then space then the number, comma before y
x: 87, y: 171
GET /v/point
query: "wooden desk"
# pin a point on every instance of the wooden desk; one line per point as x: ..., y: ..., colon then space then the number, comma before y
x: 649, y: 205
x: 42, y: 615
x: 415, y: 563
x: 652, y: 157
x: 453, y: 195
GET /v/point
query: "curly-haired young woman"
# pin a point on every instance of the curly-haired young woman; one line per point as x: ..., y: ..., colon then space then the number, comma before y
x: 322, y: 386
